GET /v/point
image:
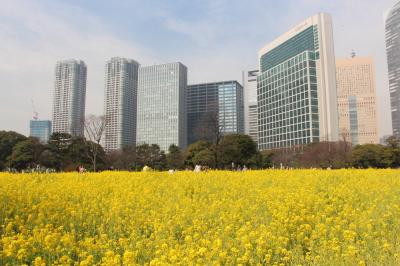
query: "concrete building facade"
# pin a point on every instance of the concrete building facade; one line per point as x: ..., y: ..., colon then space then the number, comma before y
x: 120, y: 103
x: 253, y: 121
x: 249, y: 81
x: 392, y: 25
x: 356, y: 90
x: 69, y: 97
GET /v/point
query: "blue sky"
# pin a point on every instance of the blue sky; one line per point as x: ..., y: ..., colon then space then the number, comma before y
x: 215, y: 39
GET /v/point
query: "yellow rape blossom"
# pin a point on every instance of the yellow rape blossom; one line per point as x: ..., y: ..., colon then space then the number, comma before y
x: 271, y: 217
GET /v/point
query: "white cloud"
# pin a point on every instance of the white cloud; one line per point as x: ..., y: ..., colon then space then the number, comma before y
x: 33, y: 38
x: 224, y: 39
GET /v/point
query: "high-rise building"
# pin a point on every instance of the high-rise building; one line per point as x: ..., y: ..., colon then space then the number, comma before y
x: 250, y: 103
x: 161, y: 113
x: 214, y: 109
x: 393, y: 59
x: 69, y: 97
x: 40, y: 129
x: 356, y: 88
x: 383, y: 139
x: 120, y: 103
x: 296, y: 88
x: 253, y: 122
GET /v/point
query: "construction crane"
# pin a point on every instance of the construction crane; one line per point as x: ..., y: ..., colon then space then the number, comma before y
x: 35, y: 114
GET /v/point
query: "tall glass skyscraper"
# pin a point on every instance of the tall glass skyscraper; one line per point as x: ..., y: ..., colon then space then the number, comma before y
x: 69, y: 97
x: 161, y: 117
x: 212, y: 107
x: 393, y: 59
x: 296, y: 88
x: 40, y: 129
x: 120, y: 103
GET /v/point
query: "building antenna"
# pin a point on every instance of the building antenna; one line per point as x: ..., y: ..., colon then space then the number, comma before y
x: 35, y: 114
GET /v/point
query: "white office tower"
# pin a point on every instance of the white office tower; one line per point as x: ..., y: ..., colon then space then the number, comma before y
x: 120, y: 103
x: 253, y: 121
x: 69, y: 97
x: 250, y: 103
x: 392, y: 25
x: 162, y: 106
x: 296, y: 88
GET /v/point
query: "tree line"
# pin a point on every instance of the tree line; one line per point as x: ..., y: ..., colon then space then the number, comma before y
x: 62, y: 153
x: 65, y: 153
x: 341, y: 154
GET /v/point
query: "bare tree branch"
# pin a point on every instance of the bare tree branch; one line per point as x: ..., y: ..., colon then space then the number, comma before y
x: 94, y: 130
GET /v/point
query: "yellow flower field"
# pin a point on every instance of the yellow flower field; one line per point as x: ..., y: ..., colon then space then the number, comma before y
x: 299, y: 217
